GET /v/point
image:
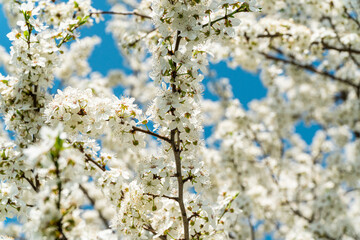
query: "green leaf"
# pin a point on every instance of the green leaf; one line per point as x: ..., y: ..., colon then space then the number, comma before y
x: 59, y: 143
x: 26, y: 34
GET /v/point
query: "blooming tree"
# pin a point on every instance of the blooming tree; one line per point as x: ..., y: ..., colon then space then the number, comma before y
x: 86, y: 164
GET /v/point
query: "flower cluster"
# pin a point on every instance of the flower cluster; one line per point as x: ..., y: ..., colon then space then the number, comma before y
x: 34, y: 54
x: 81, y: 112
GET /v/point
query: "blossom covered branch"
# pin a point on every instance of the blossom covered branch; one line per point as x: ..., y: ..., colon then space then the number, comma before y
x: 85, y: 163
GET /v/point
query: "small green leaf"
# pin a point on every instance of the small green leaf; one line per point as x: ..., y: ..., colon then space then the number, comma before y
x: 26, y: 34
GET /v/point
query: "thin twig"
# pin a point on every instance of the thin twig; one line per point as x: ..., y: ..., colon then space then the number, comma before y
x: 324, y: 44
x: 137, y: 129
x: 36, y: 189
x: 310, y: 68
x: 244, y: 6
x: 92, y: 201
x: 339, y: 40
x: 162, y: 196
x: 356, y: 21
x: 344, y: 49
x: 274, y: 35
x: 195, y: 214
x: 142, y: 37
x: 227, y: 207
x: 88, y: 157
x: 121, y: 13
x: 152, y: 230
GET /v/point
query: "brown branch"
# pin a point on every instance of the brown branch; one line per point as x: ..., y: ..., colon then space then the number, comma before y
x: 339, y: 40
x: 298, y: 213
x: 356, y: 21
x: 177, y: 43
x: 189, y: 178
x: 92, y: 201
x: 131, y: 44
x: 55, y: 159
x: 35, y: 187
x: 325, y: 45
x: 62, y: 236
x: 344, y: 49
x: 121, y: 13
x: 88, y: 157
x: 162, y: 196
x: 310, y: 68
x: 275, y: 35
x: 193, y: 216
x: 137, y: 129
x: 152, y: 230
x: 177, y: 151
x: 175, y: 145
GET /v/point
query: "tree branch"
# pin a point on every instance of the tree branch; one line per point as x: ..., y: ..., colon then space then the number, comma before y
x: 92, y: 201
x: 162, y: 196
x: 36, y: 189
x: 180, y: 197
x: 333, y: 27
x: 310, y: 68
x: 274, y: 35
x: 137, y: 129
x: 175, y: 145
x: 141, y: 37
x: 356, y: 21
x: 55, y: 158
x: 152, y: 230
x: 88, y: 158
x: 244, y: 6
x: 193, y: 216
x: 121, y: 13
x: 344, y: 49
x: 325, y: 45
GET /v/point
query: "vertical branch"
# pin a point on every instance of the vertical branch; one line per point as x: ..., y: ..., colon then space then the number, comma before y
x: 252, y: 229
x: 58, y: 203
x: 175, y: 145
x: 92, y: 201
x: 55, y: 154
x: 177, y: 152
